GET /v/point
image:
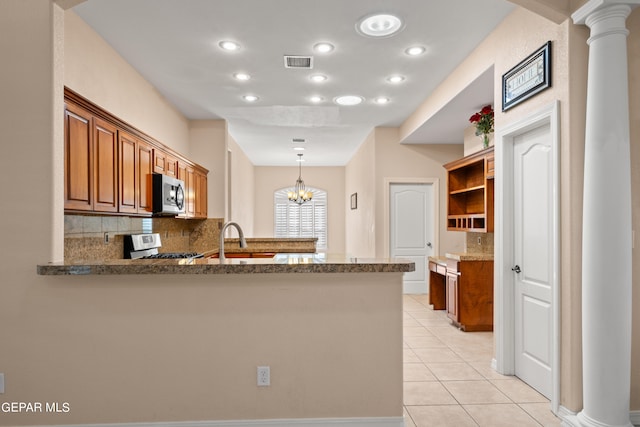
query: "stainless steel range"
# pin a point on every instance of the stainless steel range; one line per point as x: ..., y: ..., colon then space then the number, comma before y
x: 137, y: 246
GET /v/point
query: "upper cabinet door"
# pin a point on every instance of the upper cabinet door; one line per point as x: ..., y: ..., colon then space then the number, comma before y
x: 144, y: 178
x: 128, y: 173
x: 78, y: 159
x: 105, y: 166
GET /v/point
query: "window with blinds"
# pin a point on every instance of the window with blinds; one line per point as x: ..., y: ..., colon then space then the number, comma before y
x: 306, y: 220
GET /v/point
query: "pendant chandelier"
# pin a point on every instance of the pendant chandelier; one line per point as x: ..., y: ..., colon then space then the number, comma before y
x: 300, y: 194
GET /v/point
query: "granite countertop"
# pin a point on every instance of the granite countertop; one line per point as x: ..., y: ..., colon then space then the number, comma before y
x: 469, y: 256
x: 280, y: 263
x: 439, y: 260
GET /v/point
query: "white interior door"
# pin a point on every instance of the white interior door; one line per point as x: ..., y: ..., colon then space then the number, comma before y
x: 411, y: 231
x: 533, y: 252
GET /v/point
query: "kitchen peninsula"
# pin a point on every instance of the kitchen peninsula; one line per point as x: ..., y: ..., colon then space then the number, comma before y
x: 321, y: 323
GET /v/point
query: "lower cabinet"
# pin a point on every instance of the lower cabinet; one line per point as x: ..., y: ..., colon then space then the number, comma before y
x: 470, y: 294
x: 452, y: 296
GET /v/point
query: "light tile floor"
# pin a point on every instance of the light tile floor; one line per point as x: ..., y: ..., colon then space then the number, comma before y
x: 448, y: 380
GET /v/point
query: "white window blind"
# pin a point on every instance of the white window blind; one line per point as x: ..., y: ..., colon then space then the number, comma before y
x: 306, y: 220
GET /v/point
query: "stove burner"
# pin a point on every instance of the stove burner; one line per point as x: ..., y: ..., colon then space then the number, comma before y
x: 173, y: 255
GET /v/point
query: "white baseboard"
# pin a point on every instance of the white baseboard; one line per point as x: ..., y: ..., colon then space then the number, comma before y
x: 295, y: 422
x: 634, y: 416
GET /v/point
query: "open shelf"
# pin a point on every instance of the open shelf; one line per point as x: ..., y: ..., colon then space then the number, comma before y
x: 470, y: 193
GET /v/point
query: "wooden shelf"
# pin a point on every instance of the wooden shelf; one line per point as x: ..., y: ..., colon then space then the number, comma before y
x: 467, y: 190
x: 470, y: 192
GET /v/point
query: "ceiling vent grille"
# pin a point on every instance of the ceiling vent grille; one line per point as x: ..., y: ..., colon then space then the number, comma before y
x: 298, y: 140
x: 291, y: 61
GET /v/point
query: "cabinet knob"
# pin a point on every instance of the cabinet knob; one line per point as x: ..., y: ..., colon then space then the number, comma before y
x: 516, y: 269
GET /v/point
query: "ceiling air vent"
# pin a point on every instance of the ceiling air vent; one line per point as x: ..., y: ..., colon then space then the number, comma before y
x: 291, y: 61
x: 298, y: 140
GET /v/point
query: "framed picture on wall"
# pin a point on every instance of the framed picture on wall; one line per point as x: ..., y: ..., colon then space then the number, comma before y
x: 528, y: 78
x: 354, y: 201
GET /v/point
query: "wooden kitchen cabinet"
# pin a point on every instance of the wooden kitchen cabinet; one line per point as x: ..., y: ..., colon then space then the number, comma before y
x: 91, y: 162
x: 437, y: 285
x: 195, y: 190
x: 470, y: 192
x: 164, y: 163
x: 108, y: 165
x: 452, y: 296
x: 470, y: 294
x: 105, y: 166
x: 200, y: 194
x: 136, y: 168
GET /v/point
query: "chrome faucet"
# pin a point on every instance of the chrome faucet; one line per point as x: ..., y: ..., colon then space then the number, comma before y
x: 243, y: 242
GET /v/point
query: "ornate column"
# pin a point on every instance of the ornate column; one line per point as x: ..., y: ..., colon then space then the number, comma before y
x: 606, y: 229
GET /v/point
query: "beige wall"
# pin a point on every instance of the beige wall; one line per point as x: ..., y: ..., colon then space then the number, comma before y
x: 394, y: 160
x: 208, y: 141
x: 94, y: 70
x: 331, y: 179
x: 382, y: 157
x: 360, y: 223
x: 241, y: 196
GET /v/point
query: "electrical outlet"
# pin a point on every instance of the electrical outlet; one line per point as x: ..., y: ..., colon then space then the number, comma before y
x: 1, y: 383
x: 264, y: 376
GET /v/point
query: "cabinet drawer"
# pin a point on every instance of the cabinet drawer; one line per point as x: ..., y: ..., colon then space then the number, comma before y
x: 437, y: 268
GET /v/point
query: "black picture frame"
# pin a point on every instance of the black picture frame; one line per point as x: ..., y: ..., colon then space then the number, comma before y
x: 530, y: 77
x: 354, y: 201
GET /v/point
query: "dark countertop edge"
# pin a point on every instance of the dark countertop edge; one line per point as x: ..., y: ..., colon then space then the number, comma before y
x: 217, y: 269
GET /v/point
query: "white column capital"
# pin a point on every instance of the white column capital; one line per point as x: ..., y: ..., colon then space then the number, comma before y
x: 581, y: 15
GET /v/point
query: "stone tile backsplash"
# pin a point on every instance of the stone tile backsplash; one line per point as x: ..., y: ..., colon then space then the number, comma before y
x: 479, y: 243
x: 91, y: 237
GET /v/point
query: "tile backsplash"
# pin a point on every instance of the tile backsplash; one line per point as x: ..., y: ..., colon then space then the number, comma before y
x: 479, y: 243
x: 91, y: 237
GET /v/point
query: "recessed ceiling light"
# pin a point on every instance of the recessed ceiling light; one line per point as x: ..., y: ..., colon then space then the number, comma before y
x: 318, y: 78
x: 242, y: 76
x: 348, y: 100
x: 250, y: 98
x: 415, y: 50
x: 316, y: 99
x: 229, y: 45
x: 379, y: 25
x: 298, y: 148
x: 395, y: 78
x: 323, y: 47
x: 381, y: 100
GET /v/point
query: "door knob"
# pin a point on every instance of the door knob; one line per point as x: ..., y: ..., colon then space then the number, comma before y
x: 429, y: 244
x: 516, y: 269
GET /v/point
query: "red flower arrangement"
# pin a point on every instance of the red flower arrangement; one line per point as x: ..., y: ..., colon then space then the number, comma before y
x: 483, y: 120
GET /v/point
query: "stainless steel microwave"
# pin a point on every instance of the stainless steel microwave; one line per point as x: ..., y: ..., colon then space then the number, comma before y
x: 168, y: 195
